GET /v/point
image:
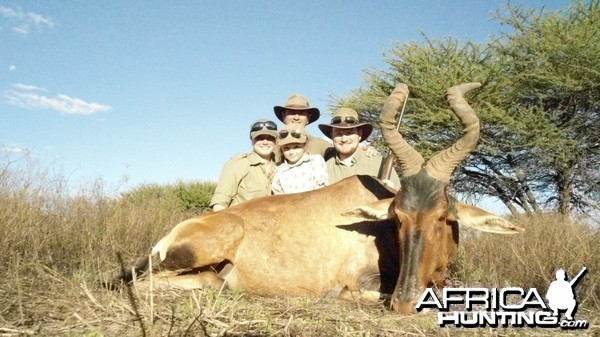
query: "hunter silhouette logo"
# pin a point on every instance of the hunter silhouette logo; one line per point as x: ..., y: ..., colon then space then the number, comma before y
x: 560, y: 294
x: 515, y: 307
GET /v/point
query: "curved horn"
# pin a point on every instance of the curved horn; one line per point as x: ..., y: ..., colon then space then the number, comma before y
x: 410, y: 160
x: 443, y: 164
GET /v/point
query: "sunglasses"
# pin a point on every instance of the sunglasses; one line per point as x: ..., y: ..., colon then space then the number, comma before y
x: 261, y: 125
x: 295, y: 133
x: 345, y: 120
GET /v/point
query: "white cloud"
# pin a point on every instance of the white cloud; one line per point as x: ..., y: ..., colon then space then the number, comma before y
x: 21, y: 22
x: 14, y: 149
x: 39, y: 20
x: 12, y: 68
x: 23, y: 29
x: 27, y: 97
x: 21, y: 86
x: 8, y: 12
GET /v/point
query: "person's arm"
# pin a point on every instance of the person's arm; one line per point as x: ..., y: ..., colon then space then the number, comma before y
x: 227, y: 186
x: 276, y: 184
x: 322, y: 178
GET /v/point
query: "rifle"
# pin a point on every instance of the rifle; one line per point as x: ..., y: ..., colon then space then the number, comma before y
x: 386, y: 169
x: 574, y: 279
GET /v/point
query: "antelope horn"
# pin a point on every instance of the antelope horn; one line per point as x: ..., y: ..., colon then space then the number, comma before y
x: 410, y: 160
x: 443, y: 164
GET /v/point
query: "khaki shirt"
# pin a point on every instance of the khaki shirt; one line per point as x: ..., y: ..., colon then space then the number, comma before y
x: 244, y: 177
x: 316, y: 145
x: 360, y: 164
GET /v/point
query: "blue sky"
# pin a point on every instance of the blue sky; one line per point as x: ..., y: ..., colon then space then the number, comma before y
x: 162, y: 91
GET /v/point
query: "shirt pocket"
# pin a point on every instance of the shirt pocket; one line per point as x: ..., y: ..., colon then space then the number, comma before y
x: 252, y: 191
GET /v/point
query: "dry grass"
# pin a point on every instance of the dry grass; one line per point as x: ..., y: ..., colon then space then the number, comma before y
x: 58, y: 248
x: 530, y: 260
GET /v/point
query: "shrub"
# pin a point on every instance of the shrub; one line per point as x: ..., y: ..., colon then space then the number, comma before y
x: 193, y: 197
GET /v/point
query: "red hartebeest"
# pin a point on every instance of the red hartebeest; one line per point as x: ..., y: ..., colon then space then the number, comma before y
x: 427, y: 217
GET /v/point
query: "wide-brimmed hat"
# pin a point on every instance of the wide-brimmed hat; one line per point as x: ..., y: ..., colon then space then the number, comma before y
x: 297, y: 102
x: 263, y: 127
x: 291, y: 134
x: 346, y: 118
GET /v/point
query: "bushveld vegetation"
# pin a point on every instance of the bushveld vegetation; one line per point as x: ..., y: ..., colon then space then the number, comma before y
x: 58, y: 248
x: 538, y: 105
x: 538, y: 154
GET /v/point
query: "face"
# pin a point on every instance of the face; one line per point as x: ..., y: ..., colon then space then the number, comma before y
x: 300, y: 117
x: 263, y: 145
x: 421, y: 208
x: 292, y: 152
x: 346, y: 141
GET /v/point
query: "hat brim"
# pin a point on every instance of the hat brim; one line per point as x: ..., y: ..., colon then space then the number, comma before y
x: 366, y: 129
x: 263, y: 131
x: 291, y: 140
x: 314, y: 112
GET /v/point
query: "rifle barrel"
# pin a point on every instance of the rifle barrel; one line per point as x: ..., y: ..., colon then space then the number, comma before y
x: 574, y: 279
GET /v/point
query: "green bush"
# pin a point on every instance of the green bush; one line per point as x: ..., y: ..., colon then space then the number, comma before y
x: 191, y: 197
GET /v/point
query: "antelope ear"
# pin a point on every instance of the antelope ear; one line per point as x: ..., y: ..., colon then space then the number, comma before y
x: 475, y: 217
x: 378, y: 210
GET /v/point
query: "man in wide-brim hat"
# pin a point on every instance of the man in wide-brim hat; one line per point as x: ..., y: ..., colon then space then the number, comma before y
x: 347, y: 131
x: 297, y: 110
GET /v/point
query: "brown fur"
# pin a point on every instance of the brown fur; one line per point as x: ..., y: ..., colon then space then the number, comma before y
x: 295, y: 244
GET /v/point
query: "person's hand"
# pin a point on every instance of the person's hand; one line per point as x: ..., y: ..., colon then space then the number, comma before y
x: 217, y: 207
x: 388, y: 183
x: 370, y: 151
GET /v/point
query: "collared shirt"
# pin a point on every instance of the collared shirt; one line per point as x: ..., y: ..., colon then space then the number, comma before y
x: 308, y: 174
x: 245, y: 176
x: 359, y: 163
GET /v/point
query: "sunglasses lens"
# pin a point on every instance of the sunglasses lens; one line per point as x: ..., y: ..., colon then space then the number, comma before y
x: 346, y: 120
x: 261, y: 125
x: 271, y: 125
x: 284, y: 133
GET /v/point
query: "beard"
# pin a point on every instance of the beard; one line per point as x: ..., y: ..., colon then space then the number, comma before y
x: 347, y: 148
